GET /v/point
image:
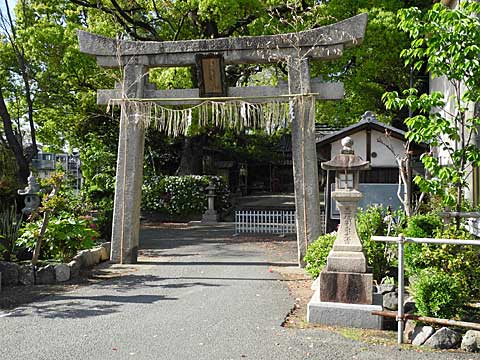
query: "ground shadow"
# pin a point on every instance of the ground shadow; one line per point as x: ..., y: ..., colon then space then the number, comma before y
x: 79, y: 307
x: 127, y: 283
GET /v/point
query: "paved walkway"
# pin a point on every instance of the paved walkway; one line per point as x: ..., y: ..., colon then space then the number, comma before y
x: 197, y: 294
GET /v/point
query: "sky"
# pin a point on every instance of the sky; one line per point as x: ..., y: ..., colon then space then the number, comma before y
x: 11, y: 4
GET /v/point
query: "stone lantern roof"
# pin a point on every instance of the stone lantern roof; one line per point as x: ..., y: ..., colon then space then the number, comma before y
x: 346, y: 160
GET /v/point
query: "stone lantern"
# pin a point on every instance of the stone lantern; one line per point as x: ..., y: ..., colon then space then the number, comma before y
x: 32, y: 195
x: 347, y: 254
x: 210, y: 215
x: 344, y: 294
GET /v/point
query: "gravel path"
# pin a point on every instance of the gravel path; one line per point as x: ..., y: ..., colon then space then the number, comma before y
x: 198, y: 293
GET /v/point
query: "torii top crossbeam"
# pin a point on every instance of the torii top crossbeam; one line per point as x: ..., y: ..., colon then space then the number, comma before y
x: 325, y: 42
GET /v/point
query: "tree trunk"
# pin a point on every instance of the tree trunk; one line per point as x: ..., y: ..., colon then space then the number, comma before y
x: 191, y: 162
x: 13, y: 143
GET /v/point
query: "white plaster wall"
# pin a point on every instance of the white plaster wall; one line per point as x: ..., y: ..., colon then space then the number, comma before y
x: 385, y: 158
x: 441, y: 84
x: 359, y: 145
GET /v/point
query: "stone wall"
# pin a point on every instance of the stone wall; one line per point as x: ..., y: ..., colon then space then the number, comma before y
x: 12, y: 274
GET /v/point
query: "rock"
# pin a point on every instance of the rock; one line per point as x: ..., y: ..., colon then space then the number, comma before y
x: 25, y: 275
x: 386, y: 288
x: 9, y: 272
x: 96, y: 255
x: 409, y: 306
x: 408, y: 330
x: 421, y: 334
x: 390, y: 301
x: 0, y: 282
x: 62, y: 272
x: 74, y: 266
x: 89, y: 258
x: 81, y: 258
x: 46, y: 275
x: 444, y: 338
x: 105, y: 252
x: 471, y: 341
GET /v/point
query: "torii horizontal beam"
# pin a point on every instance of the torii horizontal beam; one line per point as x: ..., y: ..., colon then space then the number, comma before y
x: 325, y: 42
x: 252, y: 94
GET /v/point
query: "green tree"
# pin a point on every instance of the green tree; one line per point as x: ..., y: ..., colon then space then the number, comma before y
x: 45, y: 82
x: 446, y: 41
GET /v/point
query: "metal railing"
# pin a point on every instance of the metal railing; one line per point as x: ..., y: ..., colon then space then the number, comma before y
x: 265, y: 221
x: 401, y: 240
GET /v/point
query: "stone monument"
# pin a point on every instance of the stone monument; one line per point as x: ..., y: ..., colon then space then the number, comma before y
x: 210, y: 215
x: 345, y: 292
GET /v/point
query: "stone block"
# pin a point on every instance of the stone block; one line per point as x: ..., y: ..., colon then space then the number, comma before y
x: 25, y: 275
x: 386, y: 288
x: 9, y: 273
x: 444, y: 338
x: 421, y: 334
x: 390, y: 301
x: 471, y: 341
x: 81, y: 258
x: 46, y: 275
x: 94, y: 256
x: 341, y: 314
x: 210, y: 217
x: 105, y: 252
x: 75, y: 266
x: 342, y: 287
x: 409, y: 306
x: 408, y: 330
x: 346, y: 261
x: 62, y: 272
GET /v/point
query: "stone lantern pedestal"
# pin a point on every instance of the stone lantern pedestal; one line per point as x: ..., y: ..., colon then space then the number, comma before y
x: 344, y: 291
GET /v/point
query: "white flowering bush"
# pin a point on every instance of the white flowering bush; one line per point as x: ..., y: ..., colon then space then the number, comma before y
x: 183, y: 195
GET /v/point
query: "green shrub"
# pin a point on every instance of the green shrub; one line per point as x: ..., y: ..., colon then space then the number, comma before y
x: 10, y: 223
x: 183, y: 195
x: 380, y: 255
x: 65, y: 236
x: 438, y: 294
x: 423, y: 225
x: 420, y: 226
x: 317, y: 252
x: 461, y: 261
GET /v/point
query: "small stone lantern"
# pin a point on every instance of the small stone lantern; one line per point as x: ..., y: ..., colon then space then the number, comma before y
x: 347, y: 254
x: 210, y: 215
x: 32, y: 195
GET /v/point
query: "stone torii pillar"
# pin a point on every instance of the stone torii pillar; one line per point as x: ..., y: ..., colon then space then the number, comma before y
x: 295, y: 49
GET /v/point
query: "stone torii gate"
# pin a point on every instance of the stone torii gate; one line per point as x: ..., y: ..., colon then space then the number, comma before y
x: 295, y: 49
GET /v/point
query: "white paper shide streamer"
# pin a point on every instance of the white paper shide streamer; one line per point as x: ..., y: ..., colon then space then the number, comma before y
x: 235, y: 114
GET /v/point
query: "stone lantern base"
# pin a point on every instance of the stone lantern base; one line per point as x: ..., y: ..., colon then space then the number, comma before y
x: 353, y: 288
x: 210, y: 217
x: 342, y: 314
x: 344, y: 299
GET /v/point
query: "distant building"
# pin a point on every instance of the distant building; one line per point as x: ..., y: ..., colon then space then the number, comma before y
x: 46, y: 163
x: 380, y: 184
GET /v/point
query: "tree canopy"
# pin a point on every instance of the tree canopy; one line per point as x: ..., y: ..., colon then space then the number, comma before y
x: 48, y: 87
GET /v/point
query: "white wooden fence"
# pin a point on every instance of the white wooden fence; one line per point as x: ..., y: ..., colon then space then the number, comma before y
x: 265, y: 221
